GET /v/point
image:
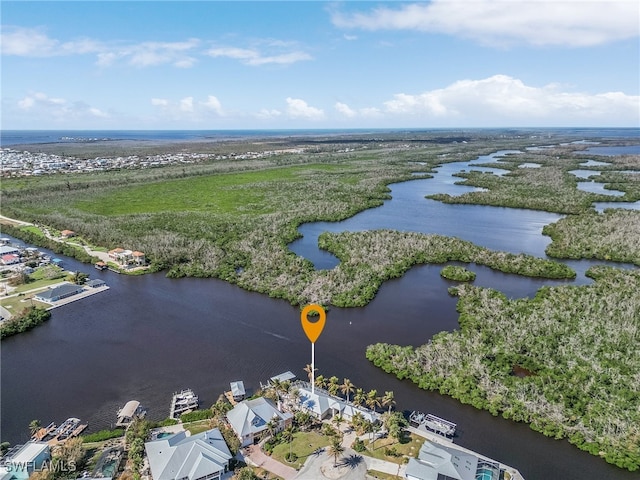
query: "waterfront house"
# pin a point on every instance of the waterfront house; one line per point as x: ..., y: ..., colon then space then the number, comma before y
x: 7, y: 250
x: 10, y: 259
x: 22, y: 460
x: 250, y: 418
x: 198, y: 457
x: 322, y: 405
x: 54, y: 294
x: 436, y: 461
x: 138, y: 258
x: 67, y: 233
x: 130, y: 412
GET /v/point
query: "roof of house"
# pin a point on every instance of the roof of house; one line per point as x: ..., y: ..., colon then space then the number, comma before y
x: 320, y: 403
x: 4, y: 250
x: 237, y: 388
x: 29, y: 452
x: 439, y: 459
x: 60, y: 290
x: 67, y: 232
x: 96, y: 282
x: 251, y: 416
x: 9, y: 257
x: 138, y: 254
x: 179, y: 456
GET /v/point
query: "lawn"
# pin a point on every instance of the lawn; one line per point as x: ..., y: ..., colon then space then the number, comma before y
x: 245, y: 192
x: 410, y: 447
x: 382, y: 475
x: 198, y: 427
x: 303, y: 445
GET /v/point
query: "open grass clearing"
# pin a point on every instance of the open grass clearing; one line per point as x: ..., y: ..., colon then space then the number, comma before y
x: 303, y: 445
x: 409, y: 447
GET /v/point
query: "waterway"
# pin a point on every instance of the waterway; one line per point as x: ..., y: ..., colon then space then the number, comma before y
x: 149, y: 336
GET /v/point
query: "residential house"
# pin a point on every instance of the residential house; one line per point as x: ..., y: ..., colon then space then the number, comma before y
x: 322, y: 405
x: 67, y: 233
x: 250, y: 418
x: 10, y: 259
x: 138, y: 258
x: 202, y: 456
x: 54, y: 294
x: 22, y: 460
x: 439, y: 462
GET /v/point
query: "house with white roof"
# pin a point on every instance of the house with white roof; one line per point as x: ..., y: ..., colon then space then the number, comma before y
x: 322, y: 405
x: 203, y: 456
x: 249, y: 419
x: 437, y: 462
x: 22, y: 460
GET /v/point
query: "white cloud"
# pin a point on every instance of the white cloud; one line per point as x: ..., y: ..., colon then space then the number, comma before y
x: 161, y: 102
x: 214, y: 104
x: 33, y: 42
x: 350, y: 37
x: 345, y: 110
x: 186, y: 104
x: 58, y: 109
x: 537, y: 22
x: 254, y: 57
x: 501, y: 99
x: 266, y: 114
x: 297, y: 108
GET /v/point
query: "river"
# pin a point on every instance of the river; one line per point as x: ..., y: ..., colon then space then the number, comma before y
x: 149, y: 336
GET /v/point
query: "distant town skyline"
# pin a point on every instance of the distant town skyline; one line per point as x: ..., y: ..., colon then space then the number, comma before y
x: 272, y: 65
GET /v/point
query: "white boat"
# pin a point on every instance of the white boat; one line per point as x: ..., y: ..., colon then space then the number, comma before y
x: 183, y: 402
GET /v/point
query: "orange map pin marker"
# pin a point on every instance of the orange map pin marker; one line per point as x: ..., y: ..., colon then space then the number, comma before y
x: 313, y: 329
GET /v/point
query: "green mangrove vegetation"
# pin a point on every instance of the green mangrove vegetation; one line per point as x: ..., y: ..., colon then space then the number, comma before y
x: 233, y: 219
x: 612, y: 235
x: 550, y: 187
x: 457, y: 273
x: 577, y: 345
x: 29, y: 318
x: 369, y: 258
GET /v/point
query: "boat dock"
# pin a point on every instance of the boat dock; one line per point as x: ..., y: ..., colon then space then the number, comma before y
x: 52, y: 434
x: 430, y: 422
x: 183, y: 402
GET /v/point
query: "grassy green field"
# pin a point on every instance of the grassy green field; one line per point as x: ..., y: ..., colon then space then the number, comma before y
x: 244, y: 193
x: 409, y: 447
x: 303, y: 445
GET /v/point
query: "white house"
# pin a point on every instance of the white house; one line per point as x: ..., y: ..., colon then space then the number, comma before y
x: 322, y: 405
x: 22, y: 460
x: 249, y: 419
x: 203, y: 456
x: 436, y: 462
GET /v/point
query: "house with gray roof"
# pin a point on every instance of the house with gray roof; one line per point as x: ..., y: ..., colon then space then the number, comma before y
x: 203, y: 456
x: 443, y: 462
x: 22, y: 460
x: 323, y: 405
x: 54, y: 294
x: 249, y: 419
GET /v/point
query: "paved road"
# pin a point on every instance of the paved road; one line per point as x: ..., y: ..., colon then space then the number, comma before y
x: 256, y: 457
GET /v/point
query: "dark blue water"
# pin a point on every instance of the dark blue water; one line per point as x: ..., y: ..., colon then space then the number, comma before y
x: 23, y: 137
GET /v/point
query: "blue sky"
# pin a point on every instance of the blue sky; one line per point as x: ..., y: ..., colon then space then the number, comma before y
x: 218, y: 65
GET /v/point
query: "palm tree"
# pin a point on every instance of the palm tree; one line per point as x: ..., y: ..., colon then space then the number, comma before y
x: 387, y: 399
x: 333, y: 386
x: 272, y: 426
x: 335, y: 449
x: 375, y: 428
x: 347, y: 387
x: 321, y: 381
x: 359, y: 397
x: 310, y: 371
x: 287, y: 436
x: 34, y: 427
x: 372, y: 400
x: 337, y: 419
